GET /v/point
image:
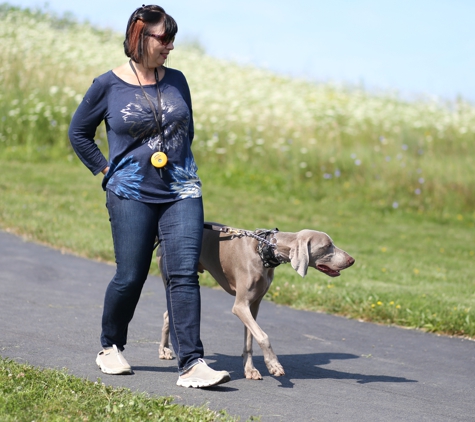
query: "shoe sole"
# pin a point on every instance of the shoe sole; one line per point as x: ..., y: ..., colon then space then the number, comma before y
x: 200, y: 383
x: 109, y: 371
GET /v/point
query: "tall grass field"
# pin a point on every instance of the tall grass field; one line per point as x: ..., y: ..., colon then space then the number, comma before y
x: 391, y: 181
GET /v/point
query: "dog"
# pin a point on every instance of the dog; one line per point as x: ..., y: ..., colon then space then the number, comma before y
x: 243, y: 264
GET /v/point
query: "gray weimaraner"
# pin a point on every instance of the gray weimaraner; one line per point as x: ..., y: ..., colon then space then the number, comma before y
x: 244, y: 266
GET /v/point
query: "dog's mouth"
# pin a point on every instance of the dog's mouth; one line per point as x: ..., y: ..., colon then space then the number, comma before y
x: 328, y: 271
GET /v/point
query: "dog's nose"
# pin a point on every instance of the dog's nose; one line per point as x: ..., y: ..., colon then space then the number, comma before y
x: 351, y: 261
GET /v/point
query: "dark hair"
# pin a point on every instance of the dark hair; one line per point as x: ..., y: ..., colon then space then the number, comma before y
x: 137, y: 26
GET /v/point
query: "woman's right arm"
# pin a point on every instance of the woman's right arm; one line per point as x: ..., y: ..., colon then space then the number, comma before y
x: 84, y: 123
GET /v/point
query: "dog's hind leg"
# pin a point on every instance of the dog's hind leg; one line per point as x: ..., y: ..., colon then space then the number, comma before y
x: 164, y: 351
x: 250, y: 372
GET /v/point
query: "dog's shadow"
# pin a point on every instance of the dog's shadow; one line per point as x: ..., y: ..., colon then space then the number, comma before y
x: 305, y: 366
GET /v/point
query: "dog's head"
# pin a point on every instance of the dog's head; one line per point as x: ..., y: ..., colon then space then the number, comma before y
x: 315, y: 249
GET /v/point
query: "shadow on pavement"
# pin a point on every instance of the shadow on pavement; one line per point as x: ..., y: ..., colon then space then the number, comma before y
x: 306, y: 366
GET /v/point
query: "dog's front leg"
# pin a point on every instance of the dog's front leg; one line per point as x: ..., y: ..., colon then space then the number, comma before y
x: 164, y: 351
x: 243, y: 312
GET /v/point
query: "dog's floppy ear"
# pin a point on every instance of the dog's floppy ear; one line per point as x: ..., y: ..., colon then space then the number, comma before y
x: 299, y: 256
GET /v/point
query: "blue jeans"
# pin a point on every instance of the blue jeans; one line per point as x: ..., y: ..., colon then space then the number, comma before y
x: 179, y: 227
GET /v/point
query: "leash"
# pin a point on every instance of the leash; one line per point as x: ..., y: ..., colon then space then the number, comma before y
x: 222, y: 229
x: 265, y: 246
x: 259, y: 234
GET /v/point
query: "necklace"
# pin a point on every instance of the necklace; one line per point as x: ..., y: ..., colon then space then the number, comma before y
x: 159, y: 159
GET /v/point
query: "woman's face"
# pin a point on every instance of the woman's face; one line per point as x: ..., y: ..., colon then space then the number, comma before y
x: 156, y: 51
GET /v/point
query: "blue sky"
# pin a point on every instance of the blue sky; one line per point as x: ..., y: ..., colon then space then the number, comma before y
x: 416, y: 47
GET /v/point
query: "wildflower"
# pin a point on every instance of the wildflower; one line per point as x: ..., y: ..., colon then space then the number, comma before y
x: 379, y: 303
x: 395, y: 205
x: 417, y: 191
x: 384, y: 249
x: 357, y: 162
x: 416, y: 271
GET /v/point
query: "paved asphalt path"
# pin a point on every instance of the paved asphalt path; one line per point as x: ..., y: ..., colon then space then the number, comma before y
x: 337, y: 369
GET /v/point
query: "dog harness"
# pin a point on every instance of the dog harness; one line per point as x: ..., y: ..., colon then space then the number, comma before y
x: 265, y: 246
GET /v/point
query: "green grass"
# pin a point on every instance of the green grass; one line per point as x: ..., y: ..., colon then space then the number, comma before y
x: 32, y: 394
x: 391, y: 181
x: 411, y: 269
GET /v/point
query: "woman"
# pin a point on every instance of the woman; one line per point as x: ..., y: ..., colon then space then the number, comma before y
x: 152, y: 190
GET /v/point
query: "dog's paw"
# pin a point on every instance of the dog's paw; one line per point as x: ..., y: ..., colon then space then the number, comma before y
x: 276, y: 369
x: 252, y: 374
x: 165, y: 353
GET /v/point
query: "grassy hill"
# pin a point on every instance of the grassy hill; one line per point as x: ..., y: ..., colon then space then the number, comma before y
x: 391, y: 181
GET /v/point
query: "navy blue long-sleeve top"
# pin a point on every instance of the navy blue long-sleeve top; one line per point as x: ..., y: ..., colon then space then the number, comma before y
x: 133, y: 136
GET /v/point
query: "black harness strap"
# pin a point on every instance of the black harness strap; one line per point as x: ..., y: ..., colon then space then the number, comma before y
x: 266, y: 249
x: 213, y: 227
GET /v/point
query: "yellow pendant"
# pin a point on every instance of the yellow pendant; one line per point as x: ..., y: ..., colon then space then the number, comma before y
x: 159, y: 160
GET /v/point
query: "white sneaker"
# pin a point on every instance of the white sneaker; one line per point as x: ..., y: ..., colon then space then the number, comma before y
x: 201, y: 375
x: 112, y: 362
